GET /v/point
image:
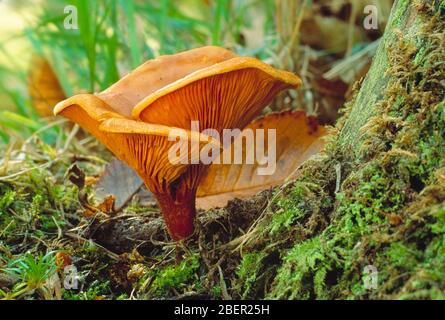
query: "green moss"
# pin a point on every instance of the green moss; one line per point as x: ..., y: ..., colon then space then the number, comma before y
x: 402, y: 256
x: 418, y: 270
x: 292, y: 208
x: 175, y: 276
x: 303, y: 200
x: 304, y: 272
x: 216, y: 292
x: 248, y: 272
x: 97, y: 290
x: 7, y: 198
x: 376, y: 195
x: 38, y: 203
x: 399, y: 13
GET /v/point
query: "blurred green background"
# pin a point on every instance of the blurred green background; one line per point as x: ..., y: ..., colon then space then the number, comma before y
x: 115, y: 36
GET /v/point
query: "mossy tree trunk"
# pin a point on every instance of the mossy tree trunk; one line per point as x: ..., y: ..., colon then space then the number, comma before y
x: 405, y: 22
x: 377, y: 197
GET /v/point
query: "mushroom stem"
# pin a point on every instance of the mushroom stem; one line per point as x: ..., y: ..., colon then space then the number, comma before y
x: 179, y: 212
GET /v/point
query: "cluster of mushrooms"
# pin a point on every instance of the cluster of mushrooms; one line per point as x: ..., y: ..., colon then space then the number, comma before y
x: 134, y: 116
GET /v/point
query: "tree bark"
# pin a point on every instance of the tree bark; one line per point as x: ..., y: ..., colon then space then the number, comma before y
x: 404, y: 18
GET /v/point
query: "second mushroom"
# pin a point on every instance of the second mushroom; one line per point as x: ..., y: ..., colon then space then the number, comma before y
x: 133, y: 117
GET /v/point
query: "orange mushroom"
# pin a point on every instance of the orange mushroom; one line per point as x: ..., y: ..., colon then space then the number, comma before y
x: 134, y: 117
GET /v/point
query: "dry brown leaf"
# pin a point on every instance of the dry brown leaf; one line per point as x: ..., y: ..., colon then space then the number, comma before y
x: 107, y: 206
x: 318, y: 32
x: 118, y: 180
x: 44, y: 87
x: 298, y: 137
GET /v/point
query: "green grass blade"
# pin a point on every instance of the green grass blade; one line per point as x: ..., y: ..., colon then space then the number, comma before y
x: 128, y: 6
x: 217, y: 18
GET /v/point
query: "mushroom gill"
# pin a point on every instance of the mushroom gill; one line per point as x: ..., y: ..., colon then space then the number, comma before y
x: 226, y: 95
x: 211, y: 85
x: 145, y: 148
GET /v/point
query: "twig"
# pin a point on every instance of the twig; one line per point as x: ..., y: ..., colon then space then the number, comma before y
x: 224, y: 292
x: 49, y: 163
x: 70, y: 137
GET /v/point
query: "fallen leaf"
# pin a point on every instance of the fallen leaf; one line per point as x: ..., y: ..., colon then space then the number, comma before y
x: 44, y: 87
x: 297, y: 139
x: 107, y: 206
x: 317, y: 32
x: 118, y: 180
